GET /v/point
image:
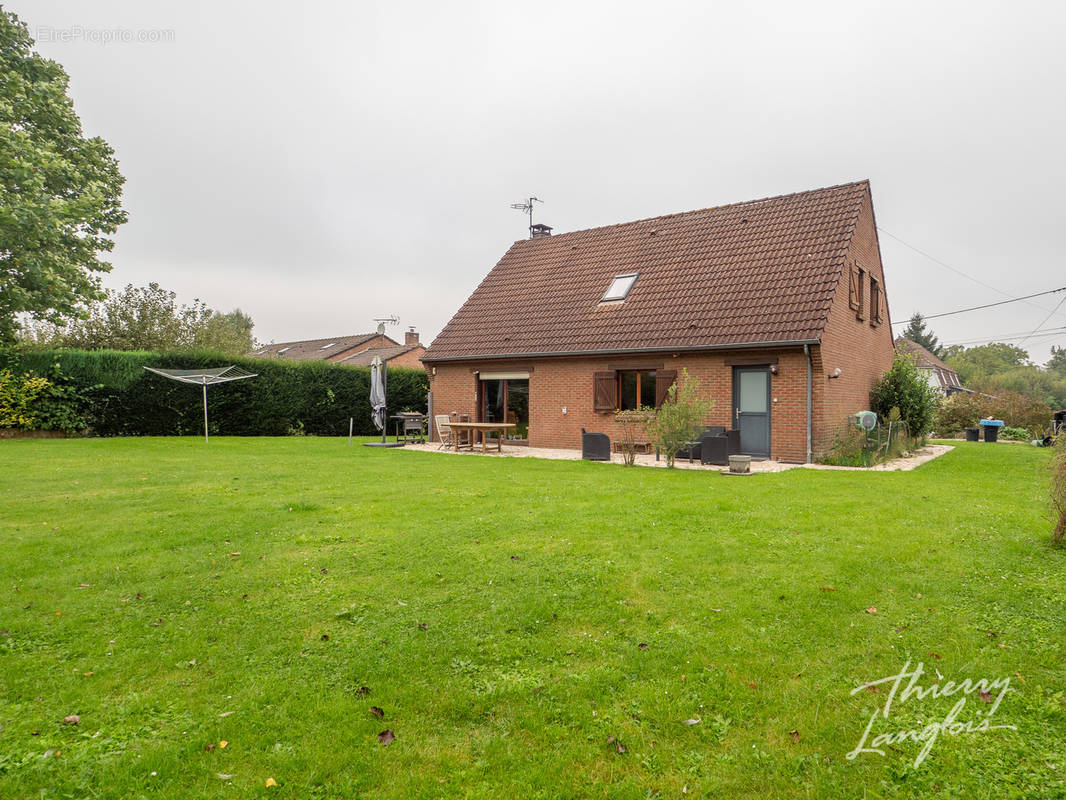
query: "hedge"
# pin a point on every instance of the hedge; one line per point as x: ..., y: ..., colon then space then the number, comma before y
x: 120, y: 398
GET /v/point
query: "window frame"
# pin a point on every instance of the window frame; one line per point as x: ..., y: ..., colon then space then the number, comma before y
x: 608, y: 297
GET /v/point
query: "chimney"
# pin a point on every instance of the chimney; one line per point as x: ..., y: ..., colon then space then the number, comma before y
x: 410, y: 337
x: 540, y: 230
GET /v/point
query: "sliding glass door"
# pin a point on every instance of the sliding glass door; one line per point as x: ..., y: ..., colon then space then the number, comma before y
x: 507, y: 400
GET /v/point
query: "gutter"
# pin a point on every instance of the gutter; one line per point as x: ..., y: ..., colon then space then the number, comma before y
x: 625, y: 351
x: 807, y: 352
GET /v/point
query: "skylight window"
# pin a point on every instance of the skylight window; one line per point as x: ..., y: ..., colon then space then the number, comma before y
x: 328, y: 346
x: 620, y: 286
x: 284, y: 350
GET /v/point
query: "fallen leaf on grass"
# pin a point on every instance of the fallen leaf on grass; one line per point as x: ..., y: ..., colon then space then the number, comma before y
x: 871, y: 610
x: 692, y: 721
x: 73, y: 719
x: 362, y: 690
x: 795, y: 734
x: 828, y: 589
x: 935, y: 655
x: 271, y: 782
x: 423, y: 626
x: 643, y: 645
x: 227, y: 713
x: 618, y: 746
x: 986, y: 697
x: 222, y: 744
x: 223, y: 776
x: 325, y: 637
x: 377, y: 712
x: 753, y: 686
x: 386, y: 736
x: 871, y: 688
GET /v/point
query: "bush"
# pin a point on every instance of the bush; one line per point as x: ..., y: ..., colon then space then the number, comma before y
x: 111, y: 391
x: 1014, y: 434
x: 1016, y: 410
x: 1058, y: 487
x: 633, y: 423
x: 36, y: 403
x: 679, y: 419
x: 905, y: 387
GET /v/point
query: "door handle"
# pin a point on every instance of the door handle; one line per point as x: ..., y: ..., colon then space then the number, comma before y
x: 738, y: 413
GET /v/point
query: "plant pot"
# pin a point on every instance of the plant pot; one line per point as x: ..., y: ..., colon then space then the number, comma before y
x: 740, y: 465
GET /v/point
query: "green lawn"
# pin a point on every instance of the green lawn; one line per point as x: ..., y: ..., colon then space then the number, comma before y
x: 529, y: 628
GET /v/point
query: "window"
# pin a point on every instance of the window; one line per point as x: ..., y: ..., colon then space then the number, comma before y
x: 636, y: 389
x: 620, y: 286
x: 624, y: 390
x: 284, y: 350
x: 875, y: 302
x: 328, y: 346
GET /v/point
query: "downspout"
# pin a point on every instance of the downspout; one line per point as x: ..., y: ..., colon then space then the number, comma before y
x: 807, y: 352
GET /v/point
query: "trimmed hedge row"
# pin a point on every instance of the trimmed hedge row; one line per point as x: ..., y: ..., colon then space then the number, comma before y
x: 122, y: 399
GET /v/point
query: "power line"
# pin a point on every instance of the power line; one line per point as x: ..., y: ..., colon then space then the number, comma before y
x: 992, y: 305
x: 1048, y: 334
x: 947, y: 266
x: 1042, y: 324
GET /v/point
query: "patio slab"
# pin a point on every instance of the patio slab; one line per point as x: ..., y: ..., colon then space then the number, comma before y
x: 927, y: 453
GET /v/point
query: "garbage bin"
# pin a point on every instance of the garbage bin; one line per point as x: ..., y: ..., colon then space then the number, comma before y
x: 991, y: 427
x: 973, y: 434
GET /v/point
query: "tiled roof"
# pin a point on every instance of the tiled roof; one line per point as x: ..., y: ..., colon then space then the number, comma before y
x: 757, y: 272
x: 364, y: 357
x: 947, y: 377
x: 314, y: 349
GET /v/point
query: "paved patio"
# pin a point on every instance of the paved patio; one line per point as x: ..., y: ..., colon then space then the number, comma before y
x: 927, y: 453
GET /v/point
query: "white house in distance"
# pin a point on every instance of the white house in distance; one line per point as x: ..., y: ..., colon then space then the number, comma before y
x: 939, y: 374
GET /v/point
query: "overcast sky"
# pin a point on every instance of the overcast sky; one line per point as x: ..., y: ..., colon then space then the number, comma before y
x: 321, y: 164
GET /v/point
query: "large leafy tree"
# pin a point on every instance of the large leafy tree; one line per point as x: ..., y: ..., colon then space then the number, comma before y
x: 150, y: 318
x: 1057, y: 362
x: 986, y: 360
x: 919, y: 334
x: 59, y: 190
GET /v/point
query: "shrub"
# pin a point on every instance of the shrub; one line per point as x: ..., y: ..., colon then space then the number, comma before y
x: 633, y: 423
x: 905, y: 387
x: 110, y: 390
x: 1058, y: 487
x: 1014, y: 434
x: 1016, y: 410
x: 679, y: 419
x: 18, y: 397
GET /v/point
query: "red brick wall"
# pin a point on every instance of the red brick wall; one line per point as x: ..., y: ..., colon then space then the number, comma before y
x: 409, y: 359
x: 860, y: 350
x: 559, y: 382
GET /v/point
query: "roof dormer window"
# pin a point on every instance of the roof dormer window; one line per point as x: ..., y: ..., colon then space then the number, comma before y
x: 620, y: 287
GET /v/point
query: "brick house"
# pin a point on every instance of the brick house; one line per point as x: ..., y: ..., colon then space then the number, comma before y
x: 776, y: 306
x: 355, y: 351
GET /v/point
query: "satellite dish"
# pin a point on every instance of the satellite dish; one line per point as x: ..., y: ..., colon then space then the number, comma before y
x: 867, y: 420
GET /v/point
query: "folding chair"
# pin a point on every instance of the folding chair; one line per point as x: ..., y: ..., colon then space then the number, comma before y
x: 444, y: 431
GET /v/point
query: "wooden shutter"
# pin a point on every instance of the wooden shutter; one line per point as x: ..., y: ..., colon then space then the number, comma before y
x: 853, y: 288
x: 860, y: 311
x: 604, y: 391
x: 664, y: 379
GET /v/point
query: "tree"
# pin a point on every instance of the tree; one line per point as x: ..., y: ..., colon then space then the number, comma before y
x: 917, y: 333
x: 59, y: 191
x: 984, y: 361
x: 150, y: 318
x: 1057, y: 362
x: 905, y: 387
x: 679, y: 418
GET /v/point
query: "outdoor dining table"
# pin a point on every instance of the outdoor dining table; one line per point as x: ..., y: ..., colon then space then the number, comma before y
x: 484, y: 428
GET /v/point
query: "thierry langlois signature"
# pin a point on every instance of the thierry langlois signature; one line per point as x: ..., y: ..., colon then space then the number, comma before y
x: 905, y: 686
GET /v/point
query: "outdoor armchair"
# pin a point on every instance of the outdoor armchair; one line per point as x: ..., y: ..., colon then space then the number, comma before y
x: 595, y: 446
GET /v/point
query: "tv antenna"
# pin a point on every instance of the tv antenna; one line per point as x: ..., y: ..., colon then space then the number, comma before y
x: 392, y: 319
x: 527, y: 208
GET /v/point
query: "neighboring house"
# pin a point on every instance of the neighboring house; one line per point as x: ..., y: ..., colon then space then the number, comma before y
x: 356, y: 351
x: 937, y: 373
x: 777, y: 307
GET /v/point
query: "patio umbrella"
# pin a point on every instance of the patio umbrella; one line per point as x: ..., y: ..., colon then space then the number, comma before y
x: 378, y: 386
x: 377, y: 394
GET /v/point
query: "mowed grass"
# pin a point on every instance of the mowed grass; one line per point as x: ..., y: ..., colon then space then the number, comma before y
x: 528, y: 628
